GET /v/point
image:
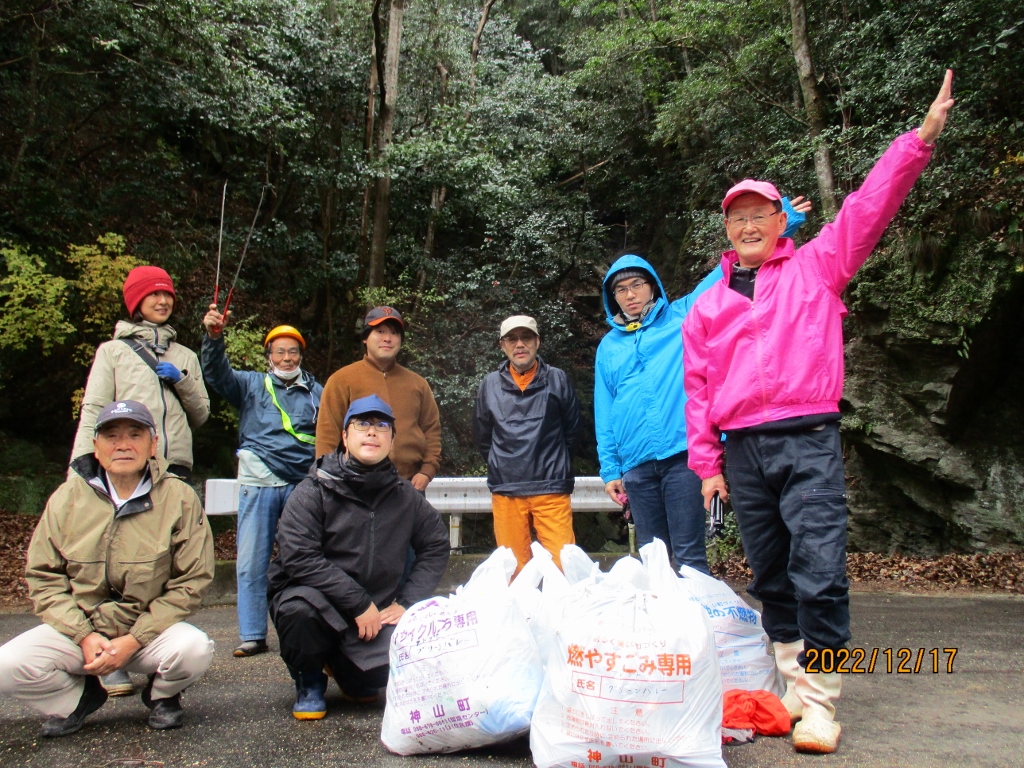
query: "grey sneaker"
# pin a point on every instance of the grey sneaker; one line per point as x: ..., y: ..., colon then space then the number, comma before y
x: 118, y: 683
x: 251, y: 648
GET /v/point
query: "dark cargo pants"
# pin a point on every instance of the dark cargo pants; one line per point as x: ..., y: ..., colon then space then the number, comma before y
x: 788, y: 490
x: 308, y: 643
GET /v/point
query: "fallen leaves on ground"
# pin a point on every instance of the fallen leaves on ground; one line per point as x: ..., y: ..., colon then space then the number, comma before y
x: 997, y: 571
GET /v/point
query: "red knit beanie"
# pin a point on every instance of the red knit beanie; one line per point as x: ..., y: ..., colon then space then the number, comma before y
x: 143, y: 281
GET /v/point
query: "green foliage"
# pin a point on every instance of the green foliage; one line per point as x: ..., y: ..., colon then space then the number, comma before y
x: 96, y: 291
x: 243, y: 344
x: 728, y: 544
x: 50, y: 308
x: 33, y: 301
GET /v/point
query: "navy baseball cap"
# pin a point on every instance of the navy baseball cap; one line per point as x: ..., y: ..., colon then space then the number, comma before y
x: 367, y: 405
x: 128, y: 410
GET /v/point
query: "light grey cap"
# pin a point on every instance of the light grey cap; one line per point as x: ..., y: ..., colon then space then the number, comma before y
x: 518, y: 321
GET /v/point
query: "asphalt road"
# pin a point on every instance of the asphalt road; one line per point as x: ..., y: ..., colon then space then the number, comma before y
x: 240, y: 713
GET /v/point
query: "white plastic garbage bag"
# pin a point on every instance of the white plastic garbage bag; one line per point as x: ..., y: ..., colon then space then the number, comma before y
x: 632, y: 677
x: 541, y: 605
x: 465, y: 670
x: 744, y: 654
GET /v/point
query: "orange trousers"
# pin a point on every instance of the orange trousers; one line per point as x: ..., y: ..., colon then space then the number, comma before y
x: 551, y: 515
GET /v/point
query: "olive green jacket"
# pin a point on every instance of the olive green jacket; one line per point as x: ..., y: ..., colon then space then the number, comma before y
x: 118, y: 373
x: 136, y: 571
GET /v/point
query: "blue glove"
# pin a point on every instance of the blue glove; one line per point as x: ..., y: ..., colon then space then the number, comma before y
x: 167, y: 372
x: 794, y: 217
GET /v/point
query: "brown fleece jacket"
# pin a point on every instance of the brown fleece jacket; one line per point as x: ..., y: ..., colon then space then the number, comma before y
x: 417, y: 446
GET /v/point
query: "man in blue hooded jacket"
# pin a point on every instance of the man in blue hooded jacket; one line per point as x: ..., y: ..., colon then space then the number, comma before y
x: 276, y: 437
x: 639, y: 405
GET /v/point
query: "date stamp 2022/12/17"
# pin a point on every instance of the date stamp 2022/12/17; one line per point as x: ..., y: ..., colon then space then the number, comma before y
x: 902, y: 661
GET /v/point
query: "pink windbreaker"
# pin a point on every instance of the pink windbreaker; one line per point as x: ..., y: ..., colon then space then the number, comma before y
x: 781, y: 355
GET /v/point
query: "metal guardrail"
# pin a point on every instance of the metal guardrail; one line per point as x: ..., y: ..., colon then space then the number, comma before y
x: 453, y: 496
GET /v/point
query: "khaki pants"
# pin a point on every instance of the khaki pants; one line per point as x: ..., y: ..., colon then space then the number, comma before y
x: 44, y: 669
x: 551, y: 515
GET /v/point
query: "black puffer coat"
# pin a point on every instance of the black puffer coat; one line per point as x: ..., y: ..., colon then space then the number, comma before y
x: 342, y: 546
x: 527, y: 437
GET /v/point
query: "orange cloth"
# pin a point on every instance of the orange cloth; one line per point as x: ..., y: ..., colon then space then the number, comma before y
x: 523, y: 380
x: 551, y: 515
x: 759, y: 711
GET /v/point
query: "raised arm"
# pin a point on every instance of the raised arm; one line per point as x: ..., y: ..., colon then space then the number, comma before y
x: 845, y: 244
x: 935, y: 120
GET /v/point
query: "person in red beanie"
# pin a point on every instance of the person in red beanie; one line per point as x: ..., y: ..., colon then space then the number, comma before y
x: 144, y: 363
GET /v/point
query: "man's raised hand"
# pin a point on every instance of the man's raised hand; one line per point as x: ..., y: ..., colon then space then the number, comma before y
x: 935, y: 120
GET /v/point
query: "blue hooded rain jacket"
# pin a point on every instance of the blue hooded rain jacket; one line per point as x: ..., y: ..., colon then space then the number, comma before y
x: 639, y: 400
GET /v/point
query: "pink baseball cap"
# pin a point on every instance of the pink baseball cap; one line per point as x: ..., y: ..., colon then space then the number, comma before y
x: 763, y: 188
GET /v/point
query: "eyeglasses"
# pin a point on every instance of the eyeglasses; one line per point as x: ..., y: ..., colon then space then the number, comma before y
x: 363, y: 425
x: 633, y: 287
x: 515, y: 338
x: 741, y: 221
x: 292, y: 352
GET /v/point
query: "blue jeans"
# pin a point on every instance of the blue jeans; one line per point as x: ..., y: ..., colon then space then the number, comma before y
x: 664, y: 496
x: 259, y: 509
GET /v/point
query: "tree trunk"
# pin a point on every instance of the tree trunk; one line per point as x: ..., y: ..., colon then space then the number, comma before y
x: 326, y: 223
x: 368, y: 140
x: 812, y: 105
x: 385, y: 130
x: 474, y: 49
x: 33, y: 97
x: 437, y: 196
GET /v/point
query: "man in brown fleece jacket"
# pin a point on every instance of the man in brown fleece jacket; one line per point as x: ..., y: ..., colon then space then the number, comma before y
x: 417, y: 437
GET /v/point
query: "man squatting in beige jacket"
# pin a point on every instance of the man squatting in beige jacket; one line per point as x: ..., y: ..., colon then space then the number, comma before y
x: 120, y: 558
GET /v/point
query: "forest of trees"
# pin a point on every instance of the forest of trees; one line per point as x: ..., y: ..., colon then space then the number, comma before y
x: 469, y: 159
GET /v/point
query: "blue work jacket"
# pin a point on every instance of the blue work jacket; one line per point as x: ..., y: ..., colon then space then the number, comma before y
x: 260, y: 424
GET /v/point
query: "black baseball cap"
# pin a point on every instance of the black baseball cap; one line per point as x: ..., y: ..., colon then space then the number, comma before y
x: 379, y: 315
x: 128, y: 410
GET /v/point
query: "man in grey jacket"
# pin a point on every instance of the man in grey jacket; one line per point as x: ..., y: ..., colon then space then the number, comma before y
x: 526, y: 424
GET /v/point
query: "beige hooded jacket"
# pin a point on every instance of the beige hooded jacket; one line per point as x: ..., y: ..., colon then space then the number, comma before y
x: 118, y: 373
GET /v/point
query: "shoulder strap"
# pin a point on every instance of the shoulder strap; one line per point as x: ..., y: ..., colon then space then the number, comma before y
x: 140, y: 349
x: 149, y: 359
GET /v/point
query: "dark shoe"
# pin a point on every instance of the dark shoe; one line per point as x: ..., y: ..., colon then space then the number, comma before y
x: 310, y: 690
x: 165, y: 713
x: 251, y: 648
x: 93, y: 697
x: 118, y: 684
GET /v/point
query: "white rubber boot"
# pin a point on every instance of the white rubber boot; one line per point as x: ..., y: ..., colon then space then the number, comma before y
x: 817, y: 731
x: 789, y: 668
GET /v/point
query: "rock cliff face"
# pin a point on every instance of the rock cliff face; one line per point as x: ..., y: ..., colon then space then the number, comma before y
x: 934, y: 435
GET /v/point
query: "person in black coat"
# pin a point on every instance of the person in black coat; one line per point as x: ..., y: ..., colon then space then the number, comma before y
x: 336, y: 588
x: 525, y: 424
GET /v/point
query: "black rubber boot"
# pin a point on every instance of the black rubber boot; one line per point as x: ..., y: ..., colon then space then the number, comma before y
x: 94, y: 696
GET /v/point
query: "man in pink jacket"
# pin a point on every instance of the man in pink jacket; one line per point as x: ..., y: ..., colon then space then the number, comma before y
x: 763, y: 362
